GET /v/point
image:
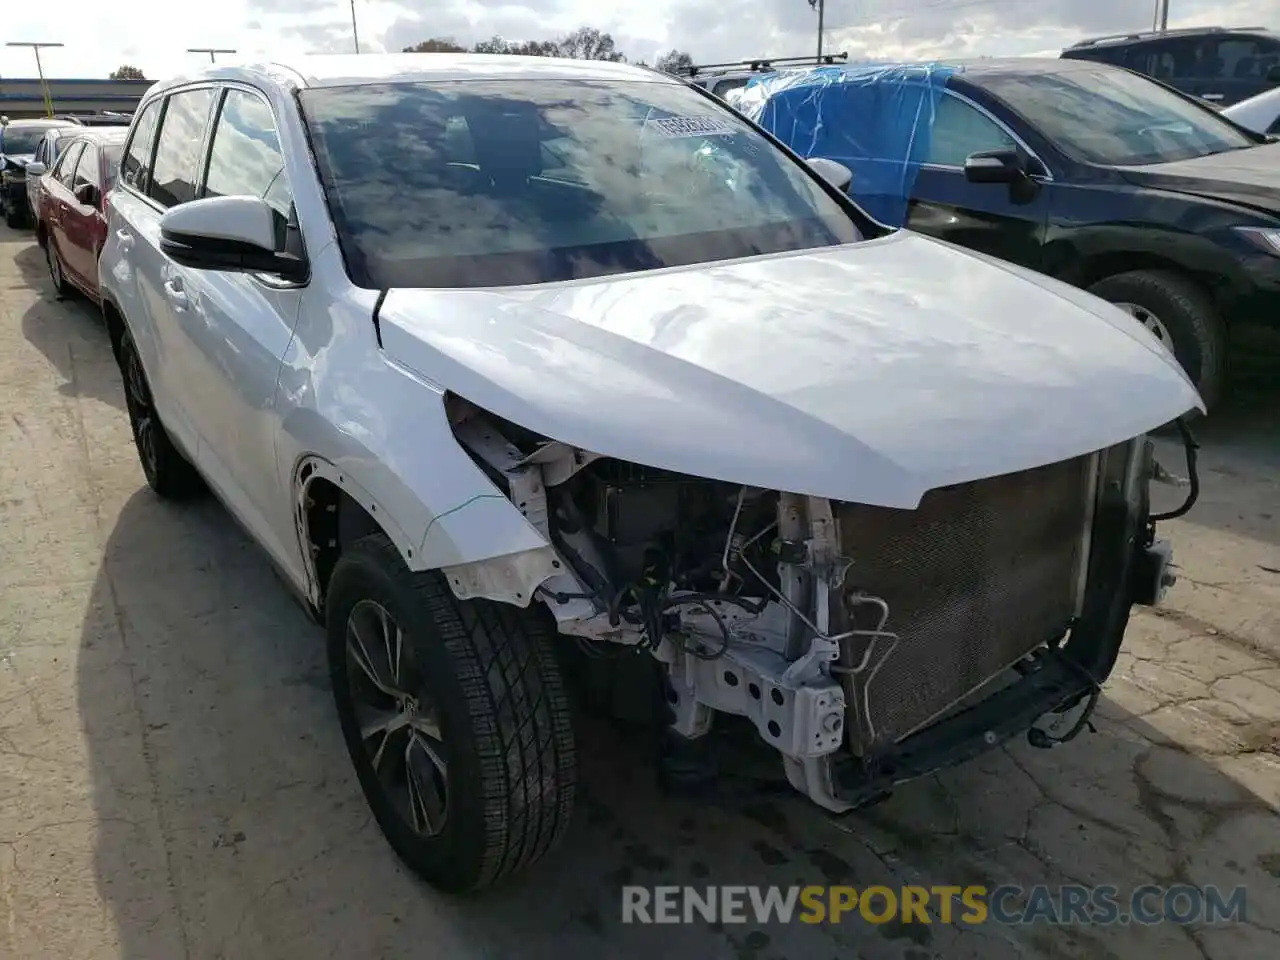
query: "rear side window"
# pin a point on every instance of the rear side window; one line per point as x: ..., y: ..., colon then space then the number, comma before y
x: 137, y: 160
x: 87, y: 171
x: 1171, y: 60
x: 177, y: 165
x: 67, y: 165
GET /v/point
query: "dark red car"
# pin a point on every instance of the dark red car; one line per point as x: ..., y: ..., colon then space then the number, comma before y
x: 72, y: 216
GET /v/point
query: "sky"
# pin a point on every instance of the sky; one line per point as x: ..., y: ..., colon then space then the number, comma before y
x: 154, y: 34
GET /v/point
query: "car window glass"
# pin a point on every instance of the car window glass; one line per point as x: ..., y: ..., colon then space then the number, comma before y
x: 722, y: 88
x: 177, y: 163
x: 476, y: 183
x: 137, y: 160
x: 1173, y: 59
x: 87, y: 171
x: 67, y: 165
x: 246, y: 159
x: 111, y: 153
x: 1238, y: 58
x: 960, y: 129
x: 1101, y: 115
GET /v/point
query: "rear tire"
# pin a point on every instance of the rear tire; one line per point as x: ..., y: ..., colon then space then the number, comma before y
x: 1197, y: 334
x: 482, y: 692
x: 60, y: 286
x: 168, y: 472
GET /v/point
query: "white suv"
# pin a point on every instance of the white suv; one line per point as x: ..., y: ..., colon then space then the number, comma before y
x: 514, y: 364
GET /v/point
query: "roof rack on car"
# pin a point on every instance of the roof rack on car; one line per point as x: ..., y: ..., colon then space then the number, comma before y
x: 765, y: 64
x: 1153, y: 34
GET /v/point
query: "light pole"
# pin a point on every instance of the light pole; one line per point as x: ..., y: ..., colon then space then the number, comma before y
x: 820, y: 6
x: 1160, y: 22
x: 355, y: 32
x: 44, y: 86
x: 211, y: 51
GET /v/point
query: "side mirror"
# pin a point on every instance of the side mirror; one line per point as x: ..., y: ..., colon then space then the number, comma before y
x: 86, y: 193
x: 1273, y: 73
x: 227, y: 233
x: 836, y: 174
x: 36, y: 169
x: 995, y: 166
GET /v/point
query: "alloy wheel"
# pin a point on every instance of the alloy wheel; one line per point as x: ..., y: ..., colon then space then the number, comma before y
x: 1150, y: 322
x: 399, y: 722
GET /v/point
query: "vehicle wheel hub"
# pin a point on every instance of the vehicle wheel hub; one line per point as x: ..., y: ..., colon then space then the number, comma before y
x: 399, y: 723
x: 1150, y: 322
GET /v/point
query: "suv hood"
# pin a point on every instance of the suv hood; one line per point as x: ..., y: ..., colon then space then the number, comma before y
x: 1249, y: 177
x: 871, y: 372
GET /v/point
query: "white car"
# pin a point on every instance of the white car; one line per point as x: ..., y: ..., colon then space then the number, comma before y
x: 1260, y: 113
x: 508, y: 372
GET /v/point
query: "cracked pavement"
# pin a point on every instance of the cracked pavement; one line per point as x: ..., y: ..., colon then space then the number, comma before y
x: 173, y: 782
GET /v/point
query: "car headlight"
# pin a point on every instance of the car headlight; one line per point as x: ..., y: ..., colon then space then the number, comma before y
x: 1266, y: 238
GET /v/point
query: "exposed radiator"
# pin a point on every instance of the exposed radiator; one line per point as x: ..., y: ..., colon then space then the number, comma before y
x: 975, y: 578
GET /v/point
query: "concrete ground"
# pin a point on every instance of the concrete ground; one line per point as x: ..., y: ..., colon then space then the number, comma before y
x: 173, y: 783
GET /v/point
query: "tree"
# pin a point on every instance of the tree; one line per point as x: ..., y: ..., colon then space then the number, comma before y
x: 673, y: 61
x: 492, y: 45
x: 437, y: 45
x: 588, y: 43
x: 127, y: 72
x: 585, y: 43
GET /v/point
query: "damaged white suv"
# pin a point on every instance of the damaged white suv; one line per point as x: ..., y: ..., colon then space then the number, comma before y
x: 513, y: 364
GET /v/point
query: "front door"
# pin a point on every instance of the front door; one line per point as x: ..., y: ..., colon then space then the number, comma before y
x: 238, y: 327
x: 994, y: 218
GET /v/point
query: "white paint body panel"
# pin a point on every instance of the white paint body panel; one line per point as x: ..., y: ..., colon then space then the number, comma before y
x: 1257, y: 113
x: 870, y: 372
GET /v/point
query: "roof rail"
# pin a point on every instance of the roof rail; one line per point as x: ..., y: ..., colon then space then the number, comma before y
x: 1153, y: 34
x: 766, y: 64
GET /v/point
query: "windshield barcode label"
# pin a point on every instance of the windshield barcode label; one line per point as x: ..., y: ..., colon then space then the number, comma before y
x: 692, y: 127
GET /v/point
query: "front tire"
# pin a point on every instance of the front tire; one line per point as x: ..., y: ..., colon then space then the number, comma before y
x: 12, y: 215
x: 454, y: 716
x: 168, y: 472
x: 1181, y: 313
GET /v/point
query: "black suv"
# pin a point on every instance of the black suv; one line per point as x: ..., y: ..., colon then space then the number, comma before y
x: 1219, y: 64
x: 1089, y: 173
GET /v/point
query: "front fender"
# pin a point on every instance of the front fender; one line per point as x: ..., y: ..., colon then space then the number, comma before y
x: 382, y: 434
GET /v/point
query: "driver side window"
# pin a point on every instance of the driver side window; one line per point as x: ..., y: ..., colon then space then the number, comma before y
x: 959, y: 130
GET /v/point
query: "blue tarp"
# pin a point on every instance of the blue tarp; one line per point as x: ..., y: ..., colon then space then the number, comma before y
x: 876, y: 119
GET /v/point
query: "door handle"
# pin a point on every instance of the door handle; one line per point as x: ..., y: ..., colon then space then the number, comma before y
x: 125, y: 238
x: 173, y: 288
x: 1211, y: 96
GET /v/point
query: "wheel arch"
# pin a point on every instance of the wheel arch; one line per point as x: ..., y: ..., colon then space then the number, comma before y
x: 1085, y: 260
x: 113, y: 317
x: 333, y: 510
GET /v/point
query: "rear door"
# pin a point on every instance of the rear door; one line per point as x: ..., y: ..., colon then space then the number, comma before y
x: 988, y: 217
x: 60, y: 198
x: 79, y: 248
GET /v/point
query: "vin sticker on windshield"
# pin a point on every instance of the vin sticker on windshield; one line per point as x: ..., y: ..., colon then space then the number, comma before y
x: 692, y: 127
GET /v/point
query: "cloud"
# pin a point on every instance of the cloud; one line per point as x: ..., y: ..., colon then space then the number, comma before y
x: 710, y: 30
